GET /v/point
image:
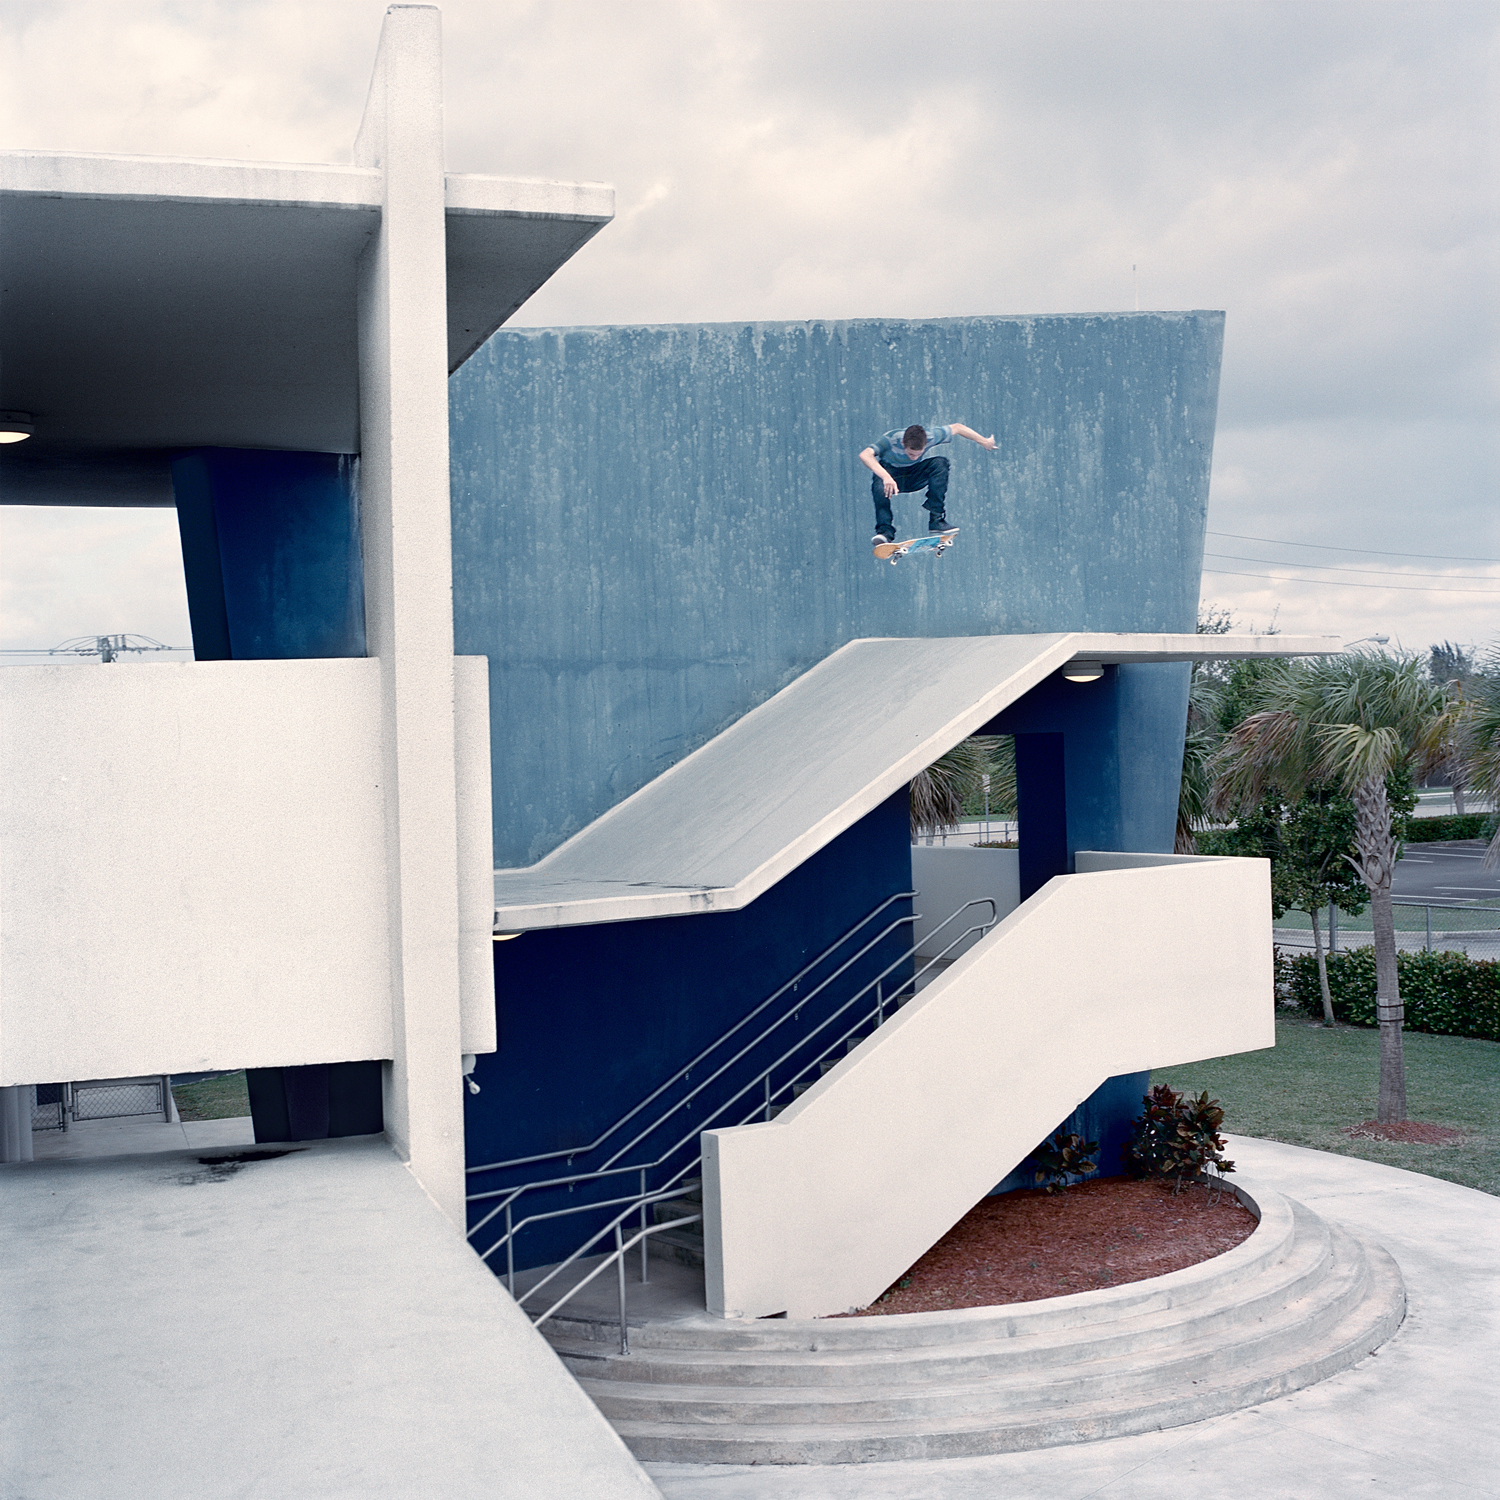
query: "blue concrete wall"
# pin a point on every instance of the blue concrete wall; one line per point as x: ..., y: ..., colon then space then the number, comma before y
x: 271, y: 553
x: 1121, y: 751
x: 655, y: 529
x: 592, y: 1019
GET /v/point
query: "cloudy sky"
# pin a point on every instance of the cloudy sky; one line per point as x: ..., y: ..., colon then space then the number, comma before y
x: 1324, y: 172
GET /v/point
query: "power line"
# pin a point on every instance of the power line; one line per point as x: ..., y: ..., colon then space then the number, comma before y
x: 1372, y: 551
x: 1338, y: 583
x: 1272, y: 562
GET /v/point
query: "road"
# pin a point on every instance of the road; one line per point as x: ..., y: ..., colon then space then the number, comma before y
x: 1446, y: 872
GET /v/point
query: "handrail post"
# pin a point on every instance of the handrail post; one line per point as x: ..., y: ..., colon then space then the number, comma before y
x: 620, y: 1263
x: 880, y: 1002
x: 767, y: 1081
x: 510, y: 1253
x: 645, y: 1273
x: 1428, y: 910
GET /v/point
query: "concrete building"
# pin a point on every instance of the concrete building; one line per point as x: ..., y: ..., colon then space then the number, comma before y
x: 570, y: 638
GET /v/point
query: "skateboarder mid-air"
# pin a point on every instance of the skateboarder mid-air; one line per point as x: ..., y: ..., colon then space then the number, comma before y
x: 900, y: 463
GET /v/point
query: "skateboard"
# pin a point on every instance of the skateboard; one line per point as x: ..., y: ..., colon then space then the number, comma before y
x: 936, y: 542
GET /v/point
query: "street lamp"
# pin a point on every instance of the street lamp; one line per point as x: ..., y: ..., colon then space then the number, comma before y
x: 1377, y: 640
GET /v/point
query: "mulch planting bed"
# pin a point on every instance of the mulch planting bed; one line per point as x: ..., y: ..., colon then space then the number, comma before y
x: 1026, y: 1245
x: 1413, y: 1132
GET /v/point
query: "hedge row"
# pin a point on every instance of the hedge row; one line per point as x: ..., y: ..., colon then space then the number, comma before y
x: 1451, y: 826
x: 1448, y: 994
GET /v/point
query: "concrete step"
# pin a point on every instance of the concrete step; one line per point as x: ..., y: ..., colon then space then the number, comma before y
x: 1295, y: 1302
x: 1208, y: 1282
x: 1095, y: 1372
x: 1302, y: 1281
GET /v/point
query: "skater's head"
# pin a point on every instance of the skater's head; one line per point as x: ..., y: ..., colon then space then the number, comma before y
x: 914, y: 439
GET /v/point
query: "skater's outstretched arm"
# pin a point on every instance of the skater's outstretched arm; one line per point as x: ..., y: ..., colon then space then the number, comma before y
x: 959, y: 430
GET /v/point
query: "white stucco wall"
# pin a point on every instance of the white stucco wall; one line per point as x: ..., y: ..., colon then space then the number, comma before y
x: 820, y: 1209
x: 192, y: 868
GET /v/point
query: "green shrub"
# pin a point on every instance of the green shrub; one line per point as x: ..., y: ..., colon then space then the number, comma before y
x: 1176, y: 1138
x: 1447, y: 994
x: 1441, y: 830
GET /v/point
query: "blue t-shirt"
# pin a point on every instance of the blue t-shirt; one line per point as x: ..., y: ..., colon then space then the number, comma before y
x: 890, y: 454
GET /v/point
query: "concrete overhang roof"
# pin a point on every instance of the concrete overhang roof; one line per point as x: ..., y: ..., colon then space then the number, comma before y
x: 728, y: 821
x: 150, y: 304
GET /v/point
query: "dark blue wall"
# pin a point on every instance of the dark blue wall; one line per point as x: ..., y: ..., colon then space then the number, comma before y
x: 591, y: 1019
x: 655, y: 529
x: 1121, y: 743
x: 271, y: 551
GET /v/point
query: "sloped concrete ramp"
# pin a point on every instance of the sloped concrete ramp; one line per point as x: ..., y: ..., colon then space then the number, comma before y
x: 304, y: 1326
x: 728, y: 821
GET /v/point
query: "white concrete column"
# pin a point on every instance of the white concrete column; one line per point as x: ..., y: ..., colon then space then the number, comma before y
x: 408, y: 589
x: 15, y: 1123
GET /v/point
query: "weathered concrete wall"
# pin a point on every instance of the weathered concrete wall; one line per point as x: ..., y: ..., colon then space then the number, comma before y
x: 655, y: 529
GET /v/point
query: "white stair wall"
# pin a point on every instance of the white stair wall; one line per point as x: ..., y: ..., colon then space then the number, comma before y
x: 1163, y: 961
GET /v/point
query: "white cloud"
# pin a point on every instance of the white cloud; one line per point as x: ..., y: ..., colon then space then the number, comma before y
x: 1324, y: 171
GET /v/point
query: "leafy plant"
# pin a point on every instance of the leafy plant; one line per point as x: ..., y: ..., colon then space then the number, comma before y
x: 1176, y: 1138
x: 1066, y: 1155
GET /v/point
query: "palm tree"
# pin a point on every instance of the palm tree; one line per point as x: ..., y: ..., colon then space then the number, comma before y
x: 1479, y: 742
x: 938, y: 794
x: 1198, y: 746
x: 1355, y: 720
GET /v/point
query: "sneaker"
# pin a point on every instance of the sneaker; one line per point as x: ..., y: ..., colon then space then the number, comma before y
x: 882, y: 536
x: 941, y: 523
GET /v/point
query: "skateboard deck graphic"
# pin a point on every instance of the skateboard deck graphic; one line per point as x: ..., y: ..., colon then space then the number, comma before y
x: 935, y: 542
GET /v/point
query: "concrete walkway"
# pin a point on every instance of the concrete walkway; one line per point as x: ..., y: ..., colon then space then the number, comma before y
x: 139, y: 1136
x: 1417, y: 1419
x: 308, y: 1327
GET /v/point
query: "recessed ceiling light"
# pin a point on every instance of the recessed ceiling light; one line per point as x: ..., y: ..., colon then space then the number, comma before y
x: 1083, y: 671
x: 15, y: 426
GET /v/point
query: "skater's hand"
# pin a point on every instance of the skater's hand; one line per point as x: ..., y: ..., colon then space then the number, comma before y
x: 987, y: 442
x: 890, y: 487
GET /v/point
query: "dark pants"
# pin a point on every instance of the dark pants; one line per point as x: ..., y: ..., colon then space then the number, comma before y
x: 930, y: 475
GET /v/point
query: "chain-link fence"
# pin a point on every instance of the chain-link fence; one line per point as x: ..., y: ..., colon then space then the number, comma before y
x: 1430, y: 926
x: 49, y: 1107
x: 113, y: 1098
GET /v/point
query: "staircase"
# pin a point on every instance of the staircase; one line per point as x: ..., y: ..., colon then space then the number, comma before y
x: 1297, y: 1301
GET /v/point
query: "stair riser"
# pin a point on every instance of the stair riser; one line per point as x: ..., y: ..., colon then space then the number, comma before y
x: 1022, y: 1358
x: 1212, y: 1280
x: 1364, y: 1333
x: 1001, y: 1399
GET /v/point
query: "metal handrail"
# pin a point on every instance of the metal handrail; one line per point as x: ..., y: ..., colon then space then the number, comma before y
x: 639, y: 1202
x: 797, y: 978
x: 510, y: 1194
x: 750, y: 1046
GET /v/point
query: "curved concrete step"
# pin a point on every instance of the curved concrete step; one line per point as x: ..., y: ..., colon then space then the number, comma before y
x: 1204, y: 1282
x: 1239, y: 1302
x: 1192, y: 1344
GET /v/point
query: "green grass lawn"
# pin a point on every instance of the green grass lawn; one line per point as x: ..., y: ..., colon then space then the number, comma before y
x: 222, y: 1098
x: 1317, y: 1082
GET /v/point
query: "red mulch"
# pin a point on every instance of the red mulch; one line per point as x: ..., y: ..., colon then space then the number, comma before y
x: 1023, y: 1246
x: 1413, y: 1132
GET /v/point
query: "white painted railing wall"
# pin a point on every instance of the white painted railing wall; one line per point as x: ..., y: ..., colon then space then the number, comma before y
x: 1111, y: 971
x: 194, y: 869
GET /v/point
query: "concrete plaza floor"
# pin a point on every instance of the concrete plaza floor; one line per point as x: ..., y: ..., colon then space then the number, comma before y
x: 1417, y: 1419
x: 304, y: 1327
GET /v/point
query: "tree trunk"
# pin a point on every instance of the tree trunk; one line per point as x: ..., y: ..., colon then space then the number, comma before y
x: 1376, y: 847
x: 1458, y: 798
x: 1322, y: 970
